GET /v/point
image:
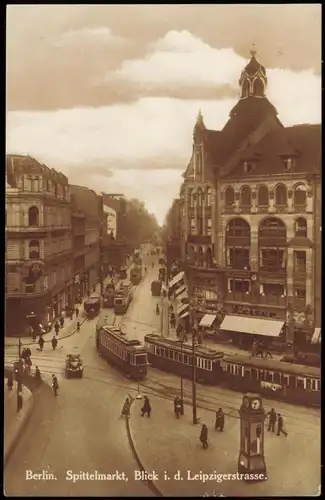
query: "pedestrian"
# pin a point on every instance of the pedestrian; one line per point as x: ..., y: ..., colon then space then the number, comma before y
x: 57, y: 328
x: 10, y: 382
x: 157, y: 310
x: 78, y: 326
x: 220, y: 420
x: 204, y: 436
x: 54, y: 343
x: 280, y: 429
x: 28, y: 365
x: 19, y: 401
x: 145, y: 269
x: 267, y: 352
x: 77, y: 312
x: 146, y: 409
x: 88, y: 294
x: 272, y: 420
x: 55, y: 385
x: 41, y: 343
x: 172, y: 320
x: 126, y: 408
x: 62, y: 321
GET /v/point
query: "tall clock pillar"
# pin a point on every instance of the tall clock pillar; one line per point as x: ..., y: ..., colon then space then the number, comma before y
x: 251, y: 460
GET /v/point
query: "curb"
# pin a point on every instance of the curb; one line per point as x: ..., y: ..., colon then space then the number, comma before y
x: 25, y: 418
x: 151, y: 485
x: 60, y: 338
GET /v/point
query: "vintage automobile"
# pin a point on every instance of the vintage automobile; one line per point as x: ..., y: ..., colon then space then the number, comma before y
x: 73, y: 366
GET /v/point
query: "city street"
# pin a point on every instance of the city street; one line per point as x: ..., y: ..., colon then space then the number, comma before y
x: 84, y: 419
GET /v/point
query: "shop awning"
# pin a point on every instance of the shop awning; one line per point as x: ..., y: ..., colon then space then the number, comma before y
x: 317, y: 336
x: 176, y: 279
x: 253, y: 326
x: 207, y: 320
x: 182, y: 309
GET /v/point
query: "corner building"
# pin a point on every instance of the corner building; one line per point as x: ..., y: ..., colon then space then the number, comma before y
x: 38, y: 267
x: 250, y: 205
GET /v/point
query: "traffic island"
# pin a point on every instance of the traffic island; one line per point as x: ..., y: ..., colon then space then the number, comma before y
x: 15, y: 421
x: 170, y: 450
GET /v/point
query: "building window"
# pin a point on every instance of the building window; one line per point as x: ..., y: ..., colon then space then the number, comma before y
x: 192, y: 226
x: 35, y: 184
x: 300, y: 196
x: 229, y: 197
x: 249, y: 167
x: 238, y: 258
x: 289, y: 164
x: 34, y: 249
x: 238, y: 228
x: 209, y: 197
x: 200, y: 257
x: 299, y: 261
x: 209, y: 227
x: 245, y: 196
x: 272, y: 227
x: 33, y: 216
x: 272, y: 259
x: 272, y: 289
x: 200, y: 225
x: 28, y: 184
x: 263, y: 196
x: 199, y: 197
x: 281, y: 195
x: 198, y: 162
x: 238, y: 286
x: 301, y: 227
x: 299, y: 296
x: 45, y: 283
x: 208, y: 257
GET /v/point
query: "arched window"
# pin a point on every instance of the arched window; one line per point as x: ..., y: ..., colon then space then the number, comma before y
x: 238, y: 228
x: 300, y: 196
x: 229, y: 197
x: 35, y: 184
x: 199, y: 197
x: 28, y: 183
x: 191, y: 254
x: 301, y: 227
x: 258, y: 88
x: 209, y: 197
x: 33, y: 216
x: 200, y: 257
x: 55, y: 189
x: 208, y: 257
x: 281, y: 195
x: 263, y: 196
x: 245, y: 196
x: 272, y: 227
x: 245, y: 88
x: 34, y: 249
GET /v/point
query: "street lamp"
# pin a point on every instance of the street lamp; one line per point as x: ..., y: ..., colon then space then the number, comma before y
x: 19, y: 376
x: 138, y: 396
x: 194, y: 377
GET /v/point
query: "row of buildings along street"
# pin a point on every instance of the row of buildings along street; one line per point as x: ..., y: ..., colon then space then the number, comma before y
x: 247, y: 223
x: 61, y: 240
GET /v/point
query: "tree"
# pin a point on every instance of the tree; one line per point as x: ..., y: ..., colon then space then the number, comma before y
x: 140, y: 225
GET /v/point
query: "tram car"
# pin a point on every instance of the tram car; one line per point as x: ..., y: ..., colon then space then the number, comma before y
x: 294, y: 383
x: 123, y: 297
x: 137, y: 258
x: 108, y: 295
x: 123, y: 352
x: 135, y: 274
x: 173, y: 356
x: 92, y: 307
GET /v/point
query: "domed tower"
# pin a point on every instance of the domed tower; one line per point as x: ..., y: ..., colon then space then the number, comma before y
x: 253, y: 79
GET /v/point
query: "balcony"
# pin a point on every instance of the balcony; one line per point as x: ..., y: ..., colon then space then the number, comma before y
x: 280, y: 209
x: 274, y: 273
x: 247, y: 298
x: 272, y: 300
x: 37, y: 229
x: 300, y: 208
x: 199, y: 239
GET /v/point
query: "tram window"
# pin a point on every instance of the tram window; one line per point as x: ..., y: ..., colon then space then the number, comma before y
x: 269, y: 377
x: 158, y: 351
x: 285, y: 379
x: 228, y: 368
x: 308, y: 384
x: 198, y: 362
x: 128, y: 357
x: 141, y: 359
x: 167, y: 353
x: 276, y: 378
x: 301, y: 383
x: 209, y: 367
x: 163, y: 352
x: 186, y: 359
x: 292, y: 381
x: 318, y: 384
x: 254, y: 374
x: 247, y: 372
x: 190, y: 360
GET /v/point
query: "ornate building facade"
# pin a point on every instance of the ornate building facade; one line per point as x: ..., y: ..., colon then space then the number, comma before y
x: 250, y: 204
x: 38, y: 242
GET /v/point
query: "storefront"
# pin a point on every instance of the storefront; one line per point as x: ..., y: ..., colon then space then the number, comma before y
x: 244, y: 330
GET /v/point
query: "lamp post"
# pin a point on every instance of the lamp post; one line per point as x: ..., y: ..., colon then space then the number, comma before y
x: 194, y: 377
x: 19, y: 376
x: 182, y: 390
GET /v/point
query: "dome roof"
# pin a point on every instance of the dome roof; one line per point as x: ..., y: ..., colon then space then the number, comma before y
x: 254, y: 66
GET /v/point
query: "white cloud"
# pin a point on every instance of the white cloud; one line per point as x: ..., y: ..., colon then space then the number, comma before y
x: 100, y: 35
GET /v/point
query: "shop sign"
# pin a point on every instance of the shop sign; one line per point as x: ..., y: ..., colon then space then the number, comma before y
x: 247, y: 311
x: 270, y: 385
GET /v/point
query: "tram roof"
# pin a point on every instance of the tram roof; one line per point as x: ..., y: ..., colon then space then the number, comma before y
x: 176, y: 344
x: 273, y: 365
x: 120, y: 336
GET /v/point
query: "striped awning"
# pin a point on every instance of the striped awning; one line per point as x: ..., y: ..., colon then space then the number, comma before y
x: 184, y: 315
x: 317, y: 336
x: 207, y: 320
x: 176, y: 279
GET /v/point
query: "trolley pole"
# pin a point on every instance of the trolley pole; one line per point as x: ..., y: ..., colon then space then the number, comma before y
x: 19, y: 377
x: 182, y: 340
x: 194, y: 379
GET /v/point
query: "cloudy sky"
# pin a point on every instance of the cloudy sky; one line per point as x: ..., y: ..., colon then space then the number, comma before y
x: 109, y: 94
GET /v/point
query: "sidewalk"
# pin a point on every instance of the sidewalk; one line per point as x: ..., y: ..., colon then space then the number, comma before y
x: 14, y: 421
x: 164, y: 443
x: 69, y: 328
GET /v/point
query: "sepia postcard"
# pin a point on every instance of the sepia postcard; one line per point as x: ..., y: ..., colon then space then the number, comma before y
x: 163, y: 262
